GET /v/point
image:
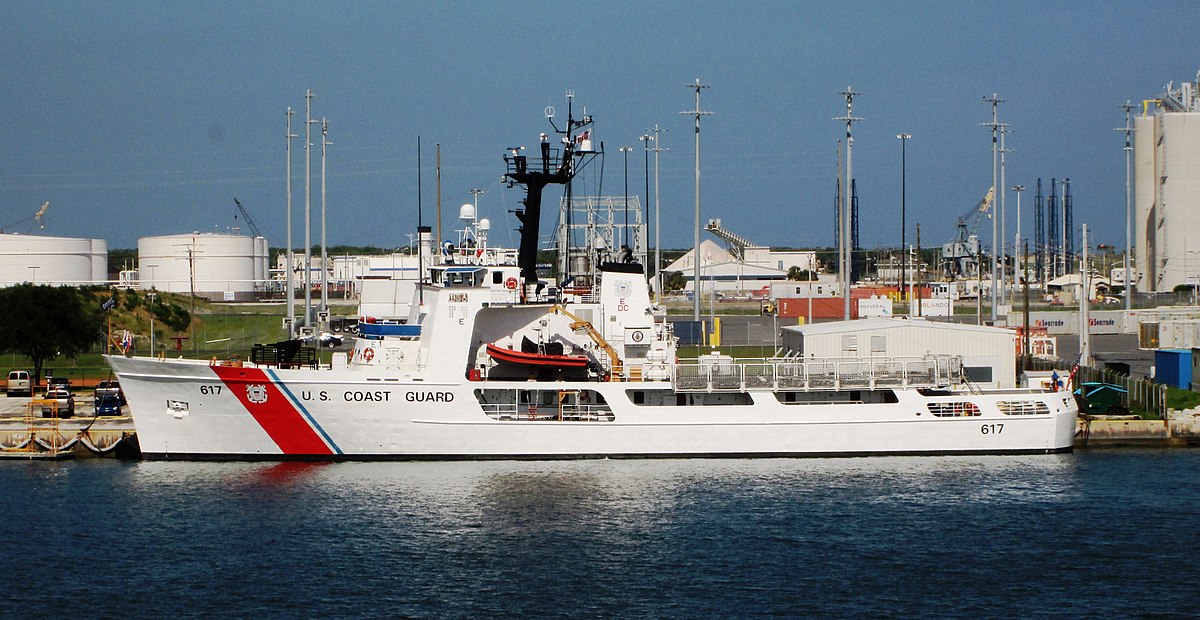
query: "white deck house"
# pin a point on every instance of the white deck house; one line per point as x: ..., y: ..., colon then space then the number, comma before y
x: 988, y: 353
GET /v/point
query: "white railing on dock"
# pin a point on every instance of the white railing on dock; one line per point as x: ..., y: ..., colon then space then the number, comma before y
x: 730, y: 375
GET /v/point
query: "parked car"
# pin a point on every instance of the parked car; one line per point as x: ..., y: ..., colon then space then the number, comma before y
x: 58, y: 399
x: 19, y: 383
x: 109, y: 398
x: 327, y: 339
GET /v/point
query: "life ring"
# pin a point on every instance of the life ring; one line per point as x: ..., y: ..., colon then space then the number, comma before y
x: 510, y: 283
x: 368, y: 354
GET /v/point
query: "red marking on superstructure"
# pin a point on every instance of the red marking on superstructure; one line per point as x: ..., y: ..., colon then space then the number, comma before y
x: 277, y: 415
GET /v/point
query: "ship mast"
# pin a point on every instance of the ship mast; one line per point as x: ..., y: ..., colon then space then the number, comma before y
x: 549, y: 166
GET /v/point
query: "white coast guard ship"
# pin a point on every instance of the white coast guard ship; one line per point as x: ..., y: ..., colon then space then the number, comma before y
x: 495, y: 364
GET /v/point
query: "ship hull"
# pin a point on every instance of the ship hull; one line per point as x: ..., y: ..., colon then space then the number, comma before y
x: 191, y: 410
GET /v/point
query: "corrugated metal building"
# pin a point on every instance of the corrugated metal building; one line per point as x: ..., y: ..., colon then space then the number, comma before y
x: 988, y: 353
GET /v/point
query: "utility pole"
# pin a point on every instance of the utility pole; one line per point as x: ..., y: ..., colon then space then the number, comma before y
x: 904, y: 138
x: 849, y: 94
x: 291, y: 260
x: 1085, y: 290
x: 1003, y: 227
x: 697, y: 112
x: 657, y: 212
x: 1128, y: 129
x: 995, y: 125
x: 1025, y: 279
x: 1017, y: 238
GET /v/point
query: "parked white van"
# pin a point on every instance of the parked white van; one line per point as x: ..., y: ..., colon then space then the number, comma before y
x: 19, y: 383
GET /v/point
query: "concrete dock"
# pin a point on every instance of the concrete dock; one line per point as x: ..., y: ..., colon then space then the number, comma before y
x: 72, y: 434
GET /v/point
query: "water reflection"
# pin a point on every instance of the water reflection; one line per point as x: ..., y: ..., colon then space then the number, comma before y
x: 548, y: 494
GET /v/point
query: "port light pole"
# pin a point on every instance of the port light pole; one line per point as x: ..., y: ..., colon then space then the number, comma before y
x: 324, y: 255
x: 288, y: 283
x: 995, y: 126
x: 904, y: 138
x: 646, y: 138
x: 625, y: 151
x: 697, y: 112
x: 1128, y: 129
x: 657, y: 210
x: 849, y: 94
x: 308, y: 123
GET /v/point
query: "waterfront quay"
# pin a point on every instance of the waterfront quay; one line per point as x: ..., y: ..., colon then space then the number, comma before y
x: 24, y: 433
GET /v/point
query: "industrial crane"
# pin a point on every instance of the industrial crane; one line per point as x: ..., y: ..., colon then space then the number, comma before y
x: 33, y: 220
x: 961, y: 257
x: 246, y: 216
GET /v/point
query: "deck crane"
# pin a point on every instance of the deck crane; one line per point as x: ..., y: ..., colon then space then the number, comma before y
x: 246, y: 216
x: 961, y: 256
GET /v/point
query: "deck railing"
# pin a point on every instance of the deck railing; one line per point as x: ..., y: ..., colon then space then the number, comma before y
x: 737, y: 375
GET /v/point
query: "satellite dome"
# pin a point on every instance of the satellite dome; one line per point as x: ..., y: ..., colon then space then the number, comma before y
x: 485, y: 225
x: 466, y: 212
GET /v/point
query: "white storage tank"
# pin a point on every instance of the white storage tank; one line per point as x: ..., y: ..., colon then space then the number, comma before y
x: 52, y: 260
x: 221, y: 267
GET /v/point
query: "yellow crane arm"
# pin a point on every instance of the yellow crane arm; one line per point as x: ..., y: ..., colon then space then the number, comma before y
x: 586, y: 326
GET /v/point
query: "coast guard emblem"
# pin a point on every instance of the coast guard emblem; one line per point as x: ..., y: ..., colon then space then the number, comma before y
x: 256, y: 394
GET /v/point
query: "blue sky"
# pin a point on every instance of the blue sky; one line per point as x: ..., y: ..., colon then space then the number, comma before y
x: 146, y: 118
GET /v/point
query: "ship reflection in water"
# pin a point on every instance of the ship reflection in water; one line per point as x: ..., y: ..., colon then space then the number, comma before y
x: 887, y: 536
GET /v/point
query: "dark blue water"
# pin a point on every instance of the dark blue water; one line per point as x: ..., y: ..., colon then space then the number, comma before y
x: 1095, y: 533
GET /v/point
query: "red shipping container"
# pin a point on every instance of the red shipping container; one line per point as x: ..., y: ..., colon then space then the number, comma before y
x: 822, y: 308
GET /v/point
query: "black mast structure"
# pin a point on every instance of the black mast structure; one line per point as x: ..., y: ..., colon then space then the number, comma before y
x: 1039, y: 234
x: 551, y: 166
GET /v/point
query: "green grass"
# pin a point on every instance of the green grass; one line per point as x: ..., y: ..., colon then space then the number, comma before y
x: 221, y: 331
x: 1182, y: 399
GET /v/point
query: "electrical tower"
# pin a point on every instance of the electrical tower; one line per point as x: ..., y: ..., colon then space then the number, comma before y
x: 1068, y: 227
x: 1039, y: 233
x: 1052, y: 233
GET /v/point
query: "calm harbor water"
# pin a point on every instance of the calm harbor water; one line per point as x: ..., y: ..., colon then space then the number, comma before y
x: 1101, y: 533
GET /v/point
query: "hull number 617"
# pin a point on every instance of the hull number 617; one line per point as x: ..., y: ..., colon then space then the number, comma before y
x: 992, y: 429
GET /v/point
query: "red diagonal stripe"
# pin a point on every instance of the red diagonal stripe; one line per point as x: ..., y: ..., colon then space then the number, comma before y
x: 277, y: 416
